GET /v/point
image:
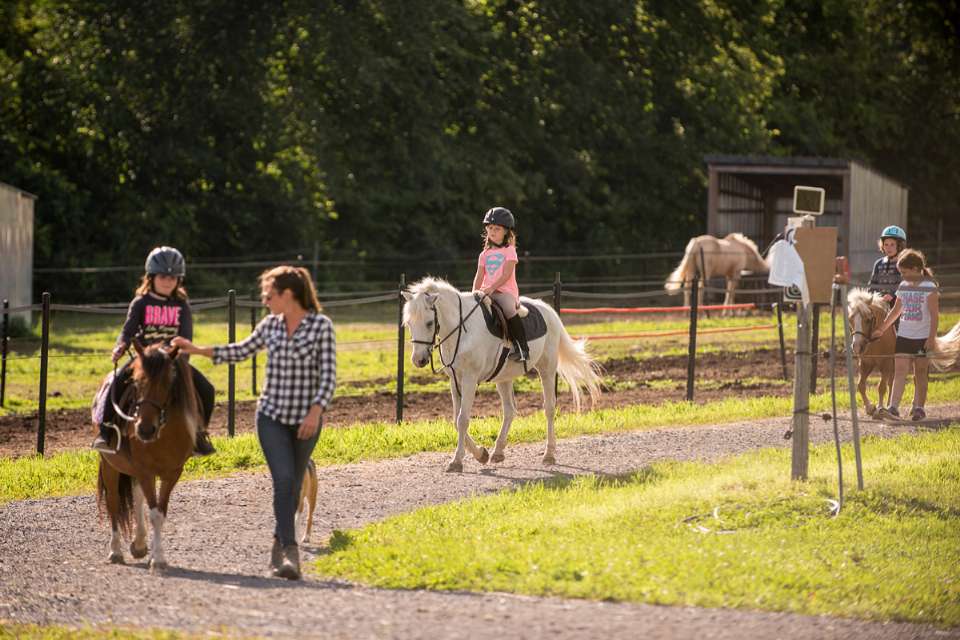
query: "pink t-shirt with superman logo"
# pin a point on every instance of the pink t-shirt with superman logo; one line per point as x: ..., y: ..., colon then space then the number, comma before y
x: 492, y: 261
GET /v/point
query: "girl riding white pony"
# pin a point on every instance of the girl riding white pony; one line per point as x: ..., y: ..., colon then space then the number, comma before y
x: 439, y: 315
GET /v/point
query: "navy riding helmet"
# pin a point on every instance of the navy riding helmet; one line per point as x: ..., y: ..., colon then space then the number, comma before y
x: 166, y: 260
x: 500, y: 216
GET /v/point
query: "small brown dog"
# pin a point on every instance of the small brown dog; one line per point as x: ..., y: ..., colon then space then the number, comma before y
x: 308, y: 502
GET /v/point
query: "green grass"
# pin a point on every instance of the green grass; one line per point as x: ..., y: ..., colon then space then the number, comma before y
x: 37, y: 632
x: 891, y: 554
x: 367, y: 359
x: 74, y: 472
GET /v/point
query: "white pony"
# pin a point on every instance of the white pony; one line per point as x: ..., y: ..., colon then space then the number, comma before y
x: 436, y: 313
x: 713, y: 257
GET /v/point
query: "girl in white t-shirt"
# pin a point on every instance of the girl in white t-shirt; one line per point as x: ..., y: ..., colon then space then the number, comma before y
x: 496, y: 274
x: 918, y: 308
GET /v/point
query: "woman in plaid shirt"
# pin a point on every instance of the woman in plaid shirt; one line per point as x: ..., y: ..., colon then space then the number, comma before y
x: 301, y: 377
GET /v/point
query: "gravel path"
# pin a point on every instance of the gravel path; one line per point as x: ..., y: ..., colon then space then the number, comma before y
x: 54, y: 570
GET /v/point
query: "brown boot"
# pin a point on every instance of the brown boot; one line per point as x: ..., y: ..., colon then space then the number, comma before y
x: 276, y: 556
x: 290, y: 567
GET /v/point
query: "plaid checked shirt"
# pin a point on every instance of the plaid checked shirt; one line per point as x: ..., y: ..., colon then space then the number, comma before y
x: 301, y: 370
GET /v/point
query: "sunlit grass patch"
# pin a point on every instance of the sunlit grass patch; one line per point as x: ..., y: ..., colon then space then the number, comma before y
x: 737, y: 533
x: 74, y: 472
x: 57, y: 632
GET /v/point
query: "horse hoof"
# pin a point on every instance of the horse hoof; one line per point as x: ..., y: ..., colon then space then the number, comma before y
x: 497, y: 457
x: 871, y: 411
x: 548, y: 459
x: 157, y: 567
x: 137, y: 552
x: 455, y: 467
x: 116, y: 558
x: 484, y: 456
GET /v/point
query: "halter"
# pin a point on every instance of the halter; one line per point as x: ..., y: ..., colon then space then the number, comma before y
x: 867, y: 336
x: 434, y: 342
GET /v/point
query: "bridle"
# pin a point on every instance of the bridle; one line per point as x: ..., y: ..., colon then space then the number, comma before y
x: 435, y: 342
x: 867, y: 335
x: 161, y: 408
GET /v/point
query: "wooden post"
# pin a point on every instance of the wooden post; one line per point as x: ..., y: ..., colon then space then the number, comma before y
x: 692, y: 344
x: 44, y: 366
x: 232, y: 369
x: 783, y: 347
x: 847, y: 339
x: 815, y: 346
x: 557, y: 291
x: 3, y: 348
x: 400, y: 339
x: 801, y: 395
x: 253, y: 360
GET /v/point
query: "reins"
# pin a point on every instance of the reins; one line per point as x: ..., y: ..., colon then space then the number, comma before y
x: 162, y: 408
x: 460, y: 329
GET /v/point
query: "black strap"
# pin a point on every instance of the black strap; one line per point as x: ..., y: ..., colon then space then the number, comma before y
x: 503, y: 358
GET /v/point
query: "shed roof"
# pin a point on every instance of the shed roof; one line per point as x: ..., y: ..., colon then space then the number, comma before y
x: 781, y: 162
x: 26, y: 193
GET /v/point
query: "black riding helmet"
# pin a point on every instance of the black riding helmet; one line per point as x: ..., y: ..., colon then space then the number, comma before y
x: 166, y: 260
x: 500, y: 216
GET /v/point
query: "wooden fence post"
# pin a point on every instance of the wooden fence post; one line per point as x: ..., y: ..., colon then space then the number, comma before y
x: 851, y: 388
x: 232, y: 369
x: 44, y: 365
x: 401, y: 336
x: 692, y: 345
x: 3, y: 347
x: 801, y: 395
x: 253, y: 360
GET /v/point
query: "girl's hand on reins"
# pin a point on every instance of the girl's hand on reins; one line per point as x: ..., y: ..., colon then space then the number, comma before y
x: 118, y: 352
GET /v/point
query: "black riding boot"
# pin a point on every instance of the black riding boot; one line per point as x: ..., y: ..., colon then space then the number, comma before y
x: 108, y: 439
x: 521, y: 352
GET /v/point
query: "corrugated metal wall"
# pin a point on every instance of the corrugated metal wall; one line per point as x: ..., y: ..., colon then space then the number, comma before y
x: 740, y: 208
x: 875, y: 202
x: 16, y: 247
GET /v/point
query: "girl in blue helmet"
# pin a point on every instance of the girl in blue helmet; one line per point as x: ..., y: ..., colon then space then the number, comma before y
x: 159, y: 312
x: 496, y: 274
x: 885, y: 277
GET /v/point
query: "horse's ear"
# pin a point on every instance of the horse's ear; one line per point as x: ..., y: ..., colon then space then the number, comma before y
x: 138, y: 346
x: 173, y: 352
x: 407, y: 295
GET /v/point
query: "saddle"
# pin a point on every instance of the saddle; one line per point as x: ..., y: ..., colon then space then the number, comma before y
x: 533, y: 322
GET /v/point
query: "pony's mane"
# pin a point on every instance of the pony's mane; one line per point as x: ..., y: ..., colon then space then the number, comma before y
x: 742, y: 239
x: 428, y: 285
x: 866, y: 303
x: 152, y: 363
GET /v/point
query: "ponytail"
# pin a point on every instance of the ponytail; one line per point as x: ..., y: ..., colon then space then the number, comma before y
x: 298, y: 280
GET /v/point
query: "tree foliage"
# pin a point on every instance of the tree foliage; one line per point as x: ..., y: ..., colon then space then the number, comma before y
x: 386, y: 128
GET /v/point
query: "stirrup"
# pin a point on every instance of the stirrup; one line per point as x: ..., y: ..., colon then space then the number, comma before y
x: 107, y: 448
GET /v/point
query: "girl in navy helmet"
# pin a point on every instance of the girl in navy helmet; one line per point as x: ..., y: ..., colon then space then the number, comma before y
x: 496, y: 274
x: 159, y: 312
x: 885, y: 277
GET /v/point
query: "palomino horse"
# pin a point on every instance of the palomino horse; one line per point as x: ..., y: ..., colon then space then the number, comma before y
x: 866, y: 312
x: 714, y: 257
x: 438, y: 314
x: 158, y: 440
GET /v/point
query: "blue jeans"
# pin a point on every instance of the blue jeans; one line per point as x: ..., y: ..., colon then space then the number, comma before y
x: 287, y: 458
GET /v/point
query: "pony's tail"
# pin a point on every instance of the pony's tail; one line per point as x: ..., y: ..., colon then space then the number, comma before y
x: 684, y: 271
x: 124, y: 515
x: 947, y: 350
x: 577, y: 368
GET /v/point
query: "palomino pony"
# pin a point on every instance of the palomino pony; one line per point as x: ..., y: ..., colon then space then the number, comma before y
x: 438, y: 314
x: 866, y: 312
x: 158, y: 439
x: 713, y: 257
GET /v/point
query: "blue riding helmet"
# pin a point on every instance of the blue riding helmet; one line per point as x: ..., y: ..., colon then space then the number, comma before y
x: 500, y: 216
x: 893, y: 231
x: 166, y: 260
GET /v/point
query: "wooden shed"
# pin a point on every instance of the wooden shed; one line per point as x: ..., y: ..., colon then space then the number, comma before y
x: 754, y: 196
x: 16, y: 247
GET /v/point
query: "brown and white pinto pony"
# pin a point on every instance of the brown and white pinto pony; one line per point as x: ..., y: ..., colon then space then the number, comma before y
x: 866, y: 312
x: 157, y: 442
x: 714, y: 257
